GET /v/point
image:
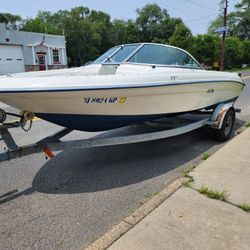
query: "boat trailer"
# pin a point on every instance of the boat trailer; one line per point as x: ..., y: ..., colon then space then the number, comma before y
x: 221, y: 119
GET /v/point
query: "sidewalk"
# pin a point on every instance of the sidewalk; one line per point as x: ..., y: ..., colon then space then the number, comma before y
x: 190, y: 220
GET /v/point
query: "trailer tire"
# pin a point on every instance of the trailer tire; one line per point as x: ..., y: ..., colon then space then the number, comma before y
x: 225, y: 132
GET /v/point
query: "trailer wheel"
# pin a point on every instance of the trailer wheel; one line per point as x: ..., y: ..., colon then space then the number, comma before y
x: 227, y: 126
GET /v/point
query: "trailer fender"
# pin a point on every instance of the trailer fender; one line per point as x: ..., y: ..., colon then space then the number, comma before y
x: 219, y: 113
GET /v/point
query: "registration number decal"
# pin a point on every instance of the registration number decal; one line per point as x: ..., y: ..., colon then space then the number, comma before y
x: 104, y: 100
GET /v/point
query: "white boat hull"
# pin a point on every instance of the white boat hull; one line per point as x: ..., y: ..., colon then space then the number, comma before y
x: 107, y: 108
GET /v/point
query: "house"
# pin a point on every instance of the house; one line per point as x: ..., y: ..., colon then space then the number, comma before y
x: 22, y: 51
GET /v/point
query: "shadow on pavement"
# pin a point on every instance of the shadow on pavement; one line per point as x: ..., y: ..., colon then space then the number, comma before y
x: 97, y: 169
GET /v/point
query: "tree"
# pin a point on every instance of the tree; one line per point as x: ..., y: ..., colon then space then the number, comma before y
x: 126, y: 32
x: 45, y: 22
x: 182, y: 37
x: 234, y: 51
x: 82, y: 36
x: 102, y: 26
x: 242, y: 19
x: 119, y: 31
x: 238, y: 21
x: 155, y: 23
x: 218, y: 22
x: 246, y: 49
x: 206, y: 49
x: 11, y: 21
x: 169, y: 26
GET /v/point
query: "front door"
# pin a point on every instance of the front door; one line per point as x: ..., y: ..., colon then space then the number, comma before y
x: 41, y: 62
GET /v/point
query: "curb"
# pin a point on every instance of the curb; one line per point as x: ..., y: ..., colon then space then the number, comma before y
x: 126, y: 224
x: 241, y: 129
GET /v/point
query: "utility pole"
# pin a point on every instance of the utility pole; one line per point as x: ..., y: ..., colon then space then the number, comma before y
x: 222, y: 56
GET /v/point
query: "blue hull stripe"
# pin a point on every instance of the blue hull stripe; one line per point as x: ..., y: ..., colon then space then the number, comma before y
x: 110, y: 87
x: 94, y: 123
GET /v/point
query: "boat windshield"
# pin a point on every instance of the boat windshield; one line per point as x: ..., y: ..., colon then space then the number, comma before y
x: 122, y: 54
x: 155, y: 54
x: 117, y: 54
x: 106, y: 55
x: 163, y: 55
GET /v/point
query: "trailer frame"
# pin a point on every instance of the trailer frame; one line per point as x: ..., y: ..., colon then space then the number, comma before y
x: 51, y: 143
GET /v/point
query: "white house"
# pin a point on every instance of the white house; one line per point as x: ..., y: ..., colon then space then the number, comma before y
x: 28, y: 51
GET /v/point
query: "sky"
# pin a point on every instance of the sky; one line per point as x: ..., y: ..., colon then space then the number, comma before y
x: 196, y: 14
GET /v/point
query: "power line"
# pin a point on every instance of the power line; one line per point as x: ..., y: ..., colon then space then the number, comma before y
x: 200, y: 5
x: 188, y: 12
x: 201, y: 24
x: 197, y: 19
x: 185, y: 11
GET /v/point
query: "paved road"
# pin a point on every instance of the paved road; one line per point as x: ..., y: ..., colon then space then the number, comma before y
x: 72, y: 199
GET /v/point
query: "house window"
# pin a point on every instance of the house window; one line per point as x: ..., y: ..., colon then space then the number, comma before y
x: 56, y: 56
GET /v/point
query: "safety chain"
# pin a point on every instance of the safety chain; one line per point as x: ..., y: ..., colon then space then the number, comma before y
x: 23, y: 123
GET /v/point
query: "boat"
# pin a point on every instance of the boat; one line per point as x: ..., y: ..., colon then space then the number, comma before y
x: 129, y: 84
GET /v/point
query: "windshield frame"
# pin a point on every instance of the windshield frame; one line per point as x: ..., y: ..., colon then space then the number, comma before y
x: 107, y: 57
x: 165, y: 65
x: 140, y: 46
